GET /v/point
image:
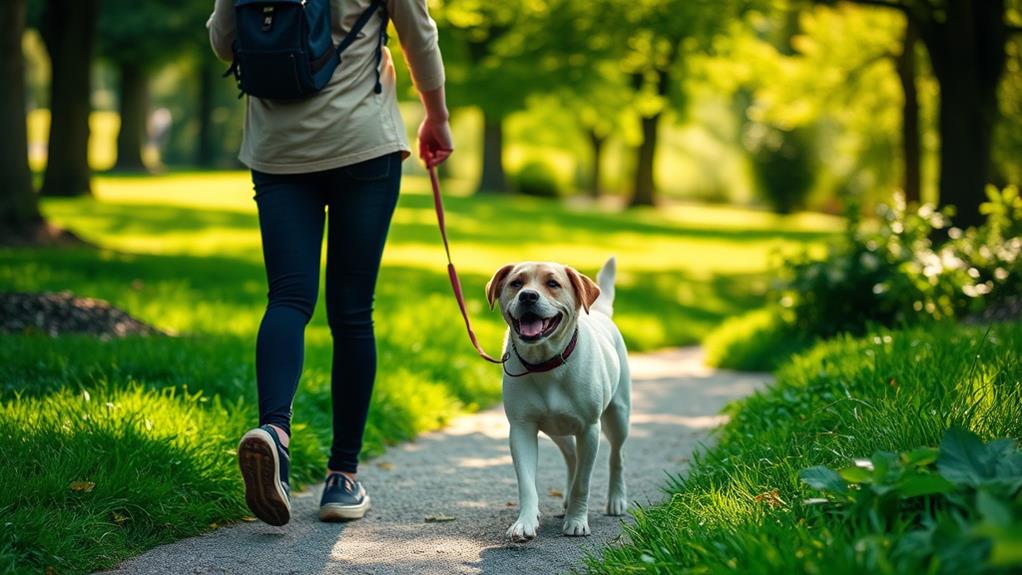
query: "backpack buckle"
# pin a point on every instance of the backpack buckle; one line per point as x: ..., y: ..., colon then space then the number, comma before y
x: 267, y: 18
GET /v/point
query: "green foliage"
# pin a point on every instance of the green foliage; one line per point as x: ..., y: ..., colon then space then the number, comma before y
x: 886, y: 272
x: 894, y: 274
x: 784, y: 166
x: 993, y: 252
x: 536, y: 178
x: 804, y: 66
x: 959, y: 504
x: 889, y: 275
x: 149, y: 34
x: 743, y: 508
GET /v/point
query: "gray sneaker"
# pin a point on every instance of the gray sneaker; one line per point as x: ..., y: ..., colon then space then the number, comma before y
x: 343, y: 499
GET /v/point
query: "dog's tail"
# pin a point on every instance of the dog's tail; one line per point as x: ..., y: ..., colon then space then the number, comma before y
x: 605, y: 279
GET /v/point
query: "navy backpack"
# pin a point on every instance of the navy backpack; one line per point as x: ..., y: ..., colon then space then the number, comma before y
x: 283, y: 49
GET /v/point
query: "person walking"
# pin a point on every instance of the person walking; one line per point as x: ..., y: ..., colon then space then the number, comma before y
x: 337, y: 152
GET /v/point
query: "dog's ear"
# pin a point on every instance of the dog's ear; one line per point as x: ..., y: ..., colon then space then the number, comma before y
x: 496, y: 283
x: 586, y: 290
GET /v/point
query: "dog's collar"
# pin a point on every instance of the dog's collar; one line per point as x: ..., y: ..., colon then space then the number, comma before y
x: 552, y: 363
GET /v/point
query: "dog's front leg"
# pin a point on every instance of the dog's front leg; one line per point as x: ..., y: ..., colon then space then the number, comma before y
x: 576, y: 520
x: 524, y: 452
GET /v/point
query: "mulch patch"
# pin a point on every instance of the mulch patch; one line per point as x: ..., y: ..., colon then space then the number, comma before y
x: 59, y: 313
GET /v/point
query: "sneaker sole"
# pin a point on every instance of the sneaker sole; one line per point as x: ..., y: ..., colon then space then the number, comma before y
x: 338, y: 512
x: 260, y: 468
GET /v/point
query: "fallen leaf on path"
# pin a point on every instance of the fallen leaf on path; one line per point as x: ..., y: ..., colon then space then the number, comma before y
x: 554, y: 493
x: 385, y: 465
x: 84, y: 486
x: 248, y: 519
x: 441, y: 518
x: 510, y: 503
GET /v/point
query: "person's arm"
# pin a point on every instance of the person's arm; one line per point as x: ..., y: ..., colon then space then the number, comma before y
x: 418, y: 35
x: 222, y: 29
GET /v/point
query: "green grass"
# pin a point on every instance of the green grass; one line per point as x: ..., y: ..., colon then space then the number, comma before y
x: 152, y: 422
x: 844, y: 399
x: 759, y: 340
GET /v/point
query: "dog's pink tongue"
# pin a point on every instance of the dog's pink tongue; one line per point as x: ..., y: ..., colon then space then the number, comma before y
x: 531, y: 328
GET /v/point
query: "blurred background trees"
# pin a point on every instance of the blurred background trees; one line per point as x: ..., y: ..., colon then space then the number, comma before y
x: 19, y: 208
x: 788, y: 104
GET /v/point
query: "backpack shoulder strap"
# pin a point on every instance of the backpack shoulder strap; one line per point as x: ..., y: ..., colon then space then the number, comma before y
x: 359, y: 24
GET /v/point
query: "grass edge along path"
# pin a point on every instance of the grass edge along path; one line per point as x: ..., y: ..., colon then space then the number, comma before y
x: 742, y: 507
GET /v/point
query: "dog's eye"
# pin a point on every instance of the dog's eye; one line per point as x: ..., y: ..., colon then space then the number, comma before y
x: 515, y: 284
x: 553, y: 284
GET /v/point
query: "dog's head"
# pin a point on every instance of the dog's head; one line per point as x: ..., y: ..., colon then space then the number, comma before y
x: 540, y: 300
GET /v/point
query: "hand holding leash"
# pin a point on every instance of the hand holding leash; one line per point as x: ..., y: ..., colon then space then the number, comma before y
x: 435, y: 141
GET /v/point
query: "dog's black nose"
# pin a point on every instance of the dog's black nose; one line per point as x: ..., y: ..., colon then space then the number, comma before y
x: 528, y: 296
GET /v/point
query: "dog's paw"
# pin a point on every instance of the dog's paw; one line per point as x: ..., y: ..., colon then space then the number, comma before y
x: 617, y: 506
x: 576, y: 526
x: 523, y: 530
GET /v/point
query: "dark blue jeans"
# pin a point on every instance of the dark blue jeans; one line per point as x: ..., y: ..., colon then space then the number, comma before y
x: 292, y: 209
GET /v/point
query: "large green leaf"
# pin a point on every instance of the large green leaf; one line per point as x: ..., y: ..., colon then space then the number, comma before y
x: 918, y: 484
x: 920, y: 457
x: 824, y: 479
x: 963, y: 458
x: 855, y: 474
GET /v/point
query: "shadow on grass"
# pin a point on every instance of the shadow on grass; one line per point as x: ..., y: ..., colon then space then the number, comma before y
x: 487, y: 221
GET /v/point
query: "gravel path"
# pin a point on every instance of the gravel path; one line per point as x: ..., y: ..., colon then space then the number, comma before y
x: 465, y: 472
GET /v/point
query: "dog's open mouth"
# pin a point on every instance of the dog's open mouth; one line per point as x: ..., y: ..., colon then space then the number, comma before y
x: 531, y: 327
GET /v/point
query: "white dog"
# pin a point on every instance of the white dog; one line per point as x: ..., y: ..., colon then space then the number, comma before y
x: 566, y: 374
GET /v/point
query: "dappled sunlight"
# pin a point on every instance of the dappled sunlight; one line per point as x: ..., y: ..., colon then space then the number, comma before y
x: 691, y: 422
x: 478, y: 462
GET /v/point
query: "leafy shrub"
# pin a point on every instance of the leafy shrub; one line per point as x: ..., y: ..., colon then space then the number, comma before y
x: 537, y: 178
x: 952, y: 510
x: 993, y: 251
x: 883, y: 272
x: 892, y: 273
x: 783, y: 165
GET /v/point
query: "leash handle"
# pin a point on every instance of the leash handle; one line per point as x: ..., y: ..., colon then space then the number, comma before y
x: 452, y: 274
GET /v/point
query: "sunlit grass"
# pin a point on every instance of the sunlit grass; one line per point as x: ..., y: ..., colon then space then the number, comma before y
x: 182, y: 251
x: 103, y: 126
x: 842, y: 400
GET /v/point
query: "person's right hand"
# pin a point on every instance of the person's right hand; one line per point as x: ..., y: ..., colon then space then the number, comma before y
x: 435, y: 141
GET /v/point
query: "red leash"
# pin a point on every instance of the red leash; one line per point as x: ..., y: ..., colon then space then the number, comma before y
x: 451, y: 273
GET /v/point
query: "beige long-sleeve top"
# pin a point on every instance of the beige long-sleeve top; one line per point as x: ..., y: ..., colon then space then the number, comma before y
x: 347, y: 122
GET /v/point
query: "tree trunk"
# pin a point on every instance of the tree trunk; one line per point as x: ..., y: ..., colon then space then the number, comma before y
x: 209, y: 74
x: 19, y: 207
x: 596, y: 146
x: 645, y: 186
x: 493, y: 179
x: 967, y: 49
x: 68, y: 27
x: 910, y: 141
x: 644, y: 190
x: 132, y: 106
